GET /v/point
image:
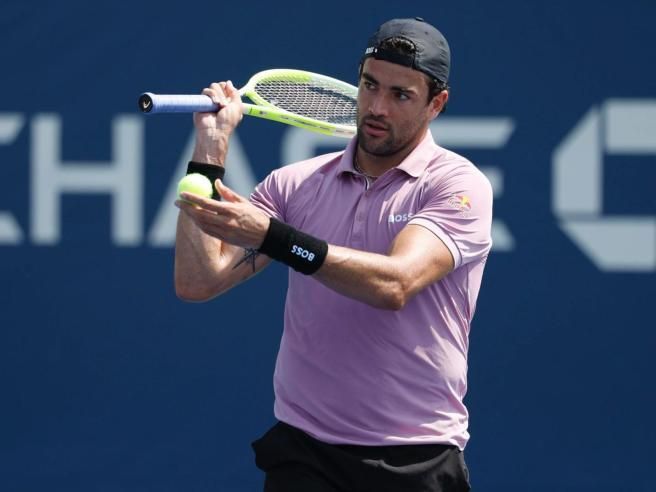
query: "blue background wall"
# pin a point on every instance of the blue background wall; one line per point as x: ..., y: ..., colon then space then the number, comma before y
x: 108, y: 382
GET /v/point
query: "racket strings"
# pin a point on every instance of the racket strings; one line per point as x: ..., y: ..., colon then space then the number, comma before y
x: 313, y: 100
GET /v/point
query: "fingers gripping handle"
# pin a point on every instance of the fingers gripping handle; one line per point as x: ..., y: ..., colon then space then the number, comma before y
x: 176, y: 103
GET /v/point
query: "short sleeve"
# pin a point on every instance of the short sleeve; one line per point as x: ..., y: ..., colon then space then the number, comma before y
x: 458, y: 210
x: 268, y: 197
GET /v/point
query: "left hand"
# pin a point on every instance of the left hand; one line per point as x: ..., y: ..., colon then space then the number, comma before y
x: 234, y: 220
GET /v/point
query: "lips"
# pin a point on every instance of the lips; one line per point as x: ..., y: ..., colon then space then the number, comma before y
x: 375, y: 128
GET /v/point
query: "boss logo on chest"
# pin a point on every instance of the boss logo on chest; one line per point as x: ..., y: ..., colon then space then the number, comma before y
x: 400, y: 217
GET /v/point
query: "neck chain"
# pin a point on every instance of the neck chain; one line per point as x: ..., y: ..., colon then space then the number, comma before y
x: 359, y: 169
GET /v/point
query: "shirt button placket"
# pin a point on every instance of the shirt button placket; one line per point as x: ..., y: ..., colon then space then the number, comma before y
x: 360, y: 216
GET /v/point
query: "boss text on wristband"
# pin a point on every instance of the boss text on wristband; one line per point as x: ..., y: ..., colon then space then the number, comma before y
x: 302, y: 252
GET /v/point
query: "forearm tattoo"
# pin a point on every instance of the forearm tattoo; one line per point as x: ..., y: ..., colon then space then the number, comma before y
x: 250, y: 254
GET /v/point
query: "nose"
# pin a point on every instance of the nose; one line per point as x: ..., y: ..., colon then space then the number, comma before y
x: 378, y: 105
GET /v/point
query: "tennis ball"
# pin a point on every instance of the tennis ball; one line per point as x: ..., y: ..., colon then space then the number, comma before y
x: 197, y: 184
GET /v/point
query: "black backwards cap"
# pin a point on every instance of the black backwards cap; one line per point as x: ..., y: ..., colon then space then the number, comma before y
x: 432, y: 54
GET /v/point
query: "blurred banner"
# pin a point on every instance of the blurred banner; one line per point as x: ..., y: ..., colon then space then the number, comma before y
x: 110, y: 383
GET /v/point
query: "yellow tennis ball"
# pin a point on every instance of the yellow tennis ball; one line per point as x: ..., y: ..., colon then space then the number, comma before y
x: 197, y: 184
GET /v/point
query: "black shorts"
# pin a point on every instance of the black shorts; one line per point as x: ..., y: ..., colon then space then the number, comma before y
x: 296, y: 462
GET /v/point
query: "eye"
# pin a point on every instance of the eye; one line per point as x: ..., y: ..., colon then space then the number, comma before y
x: 368, y: 85
x: 402, y: 96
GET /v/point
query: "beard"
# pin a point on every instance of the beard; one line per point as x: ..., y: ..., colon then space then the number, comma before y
x: 393, y: 143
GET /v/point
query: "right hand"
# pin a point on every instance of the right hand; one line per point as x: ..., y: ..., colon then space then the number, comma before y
x: 214, y: 129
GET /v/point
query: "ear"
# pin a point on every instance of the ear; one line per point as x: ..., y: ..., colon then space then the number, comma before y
x: 438, y: 103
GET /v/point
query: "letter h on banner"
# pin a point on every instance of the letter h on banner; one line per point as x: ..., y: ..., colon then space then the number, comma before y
x: 121, y: 178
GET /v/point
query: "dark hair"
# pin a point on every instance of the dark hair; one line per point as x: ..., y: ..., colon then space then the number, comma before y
x: 406, y: 47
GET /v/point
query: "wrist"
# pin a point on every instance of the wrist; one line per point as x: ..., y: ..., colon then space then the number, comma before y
x: 211, y: 146
x: 296, y: 249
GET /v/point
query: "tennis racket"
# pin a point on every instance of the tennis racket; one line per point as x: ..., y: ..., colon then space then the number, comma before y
x: 307, y: 100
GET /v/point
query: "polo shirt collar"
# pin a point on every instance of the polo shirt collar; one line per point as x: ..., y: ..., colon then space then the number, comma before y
x: 346, y: 162
x: 414, y: 164
x: 418, y: 160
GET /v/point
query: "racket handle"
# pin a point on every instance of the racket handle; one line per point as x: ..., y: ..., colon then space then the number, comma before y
x: 176, y: 103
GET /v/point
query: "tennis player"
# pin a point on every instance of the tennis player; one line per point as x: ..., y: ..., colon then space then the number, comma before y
x: 386, y: 244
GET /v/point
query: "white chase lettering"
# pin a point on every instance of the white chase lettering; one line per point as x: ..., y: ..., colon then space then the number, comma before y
x: 303, y: 253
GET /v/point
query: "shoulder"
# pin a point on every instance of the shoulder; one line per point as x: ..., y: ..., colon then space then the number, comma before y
x: 449, y: 169
x: 281, y: 184
x: 298, y: 172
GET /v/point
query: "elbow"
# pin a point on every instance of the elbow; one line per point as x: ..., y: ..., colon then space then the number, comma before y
x: 395, y: 297
x: 394, y: 303
x: 192, y: 292
x: 190, y: 295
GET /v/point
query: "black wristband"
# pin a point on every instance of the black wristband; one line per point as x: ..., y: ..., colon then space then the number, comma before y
x: 300, y: 251
x: 210, y: 171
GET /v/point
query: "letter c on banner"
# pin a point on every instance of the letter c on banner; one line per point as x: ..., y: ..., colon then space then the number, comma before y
x: 612, y: 243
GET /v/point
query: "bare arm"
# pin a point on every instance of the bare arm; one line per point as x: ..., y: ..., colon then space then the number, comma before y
x: 416, y: 259
x: 205, y: 265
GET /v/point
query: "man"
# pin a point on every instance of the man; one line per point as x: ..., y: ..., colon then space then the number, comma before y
x: 387, y: 242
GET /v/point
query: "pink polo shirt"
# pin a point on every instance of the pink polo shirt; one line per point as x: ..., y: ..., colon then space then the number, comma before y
x: 348, y: 373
